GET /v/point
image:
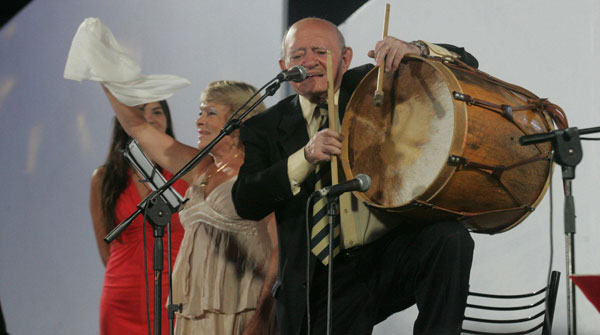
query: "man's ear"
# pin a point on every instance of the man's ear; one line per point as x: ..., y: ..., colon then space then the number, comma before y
x: 346, y: 58
x: 282, y: 64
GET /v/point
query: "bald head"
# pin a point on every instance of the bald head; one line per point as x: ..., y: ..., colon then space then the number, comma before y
x: 308, y: 22
x: 307, y: 43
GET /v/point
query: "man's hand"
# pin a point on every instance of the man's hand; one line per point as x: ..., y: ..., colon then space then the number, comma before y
x: 325, y: 143
x: 391, y: 51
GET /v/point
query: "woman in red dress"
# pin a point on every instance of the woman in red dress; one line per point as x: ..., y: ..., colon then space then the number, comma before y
x: 129, y: 278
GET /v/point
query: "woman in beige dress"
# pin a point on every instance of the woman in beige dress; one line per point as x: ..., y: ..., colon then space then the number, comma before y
x: 226, y: 265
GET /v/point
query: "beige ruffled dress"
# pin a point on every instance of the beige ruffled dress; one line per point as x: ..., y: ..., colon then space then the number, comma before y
x: 221, y: 265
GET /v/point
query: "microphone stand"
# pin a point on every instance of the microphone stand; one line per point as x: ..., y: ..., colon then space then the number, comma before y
x: 333, y: 210
x: 159, y: 212
x: 568, y: 152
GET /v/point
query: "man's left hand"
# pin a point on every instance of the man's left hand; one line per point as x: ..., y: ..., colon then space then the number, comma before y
x: 391, y: 51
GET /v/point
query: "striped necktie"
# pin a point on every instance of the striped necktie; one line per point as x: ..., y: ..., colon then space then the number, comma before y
x: 319, y: 241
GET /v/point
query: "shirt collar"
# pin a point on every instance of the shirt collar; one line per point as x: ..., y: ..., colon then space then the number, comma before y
x: 308, y: 108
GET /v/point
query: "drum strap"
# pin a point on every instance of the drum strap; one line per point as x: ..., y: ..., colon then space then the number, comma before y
x: 556, y: 113
x: 458, y: 65
x: 504, y: 110
x: 468, y: 215
x: 496, y: 171
x: 553, y: 110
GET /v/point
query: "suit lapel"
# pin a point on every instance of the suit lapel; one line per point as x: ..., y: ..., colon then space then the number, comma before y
x: 342, y: 102
x: 292, y: 128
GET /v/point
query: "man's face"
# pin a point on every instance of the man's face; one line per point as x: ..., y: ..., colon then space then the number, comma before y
x: 306, y: 44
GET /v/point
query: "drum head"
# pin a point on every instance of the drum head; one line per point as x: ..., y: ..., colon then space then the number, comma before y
x: 404, y: 144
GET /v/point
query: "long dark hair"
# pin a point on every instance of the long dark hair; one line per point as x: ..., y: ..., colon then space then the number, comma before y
x: 116, y: 168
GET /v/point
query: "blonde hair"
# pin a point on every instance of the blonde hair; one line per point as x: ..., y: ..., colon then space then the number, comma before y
x: 233, y: 94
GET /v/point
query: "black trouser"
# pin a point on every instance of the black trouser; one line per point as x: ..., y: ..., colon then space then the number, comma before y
x: 428, y: 265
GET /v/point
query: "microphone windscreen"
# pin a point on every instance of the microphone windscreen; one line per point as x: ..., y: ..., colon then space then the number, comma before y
x: 301, y: 73
x: 365, y: 182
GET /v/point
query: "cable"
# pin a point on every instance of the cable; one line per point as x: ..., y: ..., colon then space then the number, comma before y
x: 551, y: 222
x: 551, y: 233
x: 170, y: 273
x: 154, y: 169
x: 146, y: 271
x: 308, y: 208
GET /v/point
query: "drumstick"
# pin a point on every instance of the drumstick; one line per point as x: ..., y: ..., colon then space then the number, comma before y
x: 332, y: 112
x: 378, y: 98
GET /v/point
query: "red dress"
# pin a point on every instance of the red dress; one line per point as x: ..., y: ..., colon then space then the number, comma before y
x: 123, y: 301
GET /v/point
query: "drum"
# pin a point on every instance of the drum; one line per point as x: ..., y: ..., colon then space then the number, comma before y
x: 445, y: 145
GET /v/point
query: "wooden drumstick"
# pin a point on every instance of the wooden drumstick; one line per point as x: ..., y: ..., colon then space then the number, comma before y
x: 378, y: 98
x: 332, y: 112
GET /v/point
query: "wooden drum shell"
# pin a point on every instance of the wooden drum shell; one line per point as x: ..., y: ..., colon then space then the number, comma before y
x: 434, y: 157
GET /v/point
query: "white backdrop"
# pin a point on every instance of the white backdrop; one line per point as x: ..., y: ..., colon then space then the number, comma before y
x: 55, y: 132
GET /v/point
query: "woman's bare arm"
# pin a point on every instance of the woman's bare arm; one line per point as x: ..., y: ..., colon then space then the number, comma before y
x: 160, y: 147
x: 97, y: 215
x: 259, y: 323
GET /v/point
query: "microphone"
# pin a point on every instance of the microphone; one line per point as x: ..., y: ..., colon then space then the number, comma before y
x: 360, y: 183
x: 296, y: 73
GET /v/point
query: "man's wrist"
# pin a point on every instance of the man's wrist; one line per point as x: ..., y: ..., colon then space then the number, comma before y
x: 423, y: 49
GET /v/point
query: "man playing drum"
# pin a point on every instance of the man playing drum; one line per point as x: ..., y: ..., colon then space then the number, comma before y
x: 374, y: 275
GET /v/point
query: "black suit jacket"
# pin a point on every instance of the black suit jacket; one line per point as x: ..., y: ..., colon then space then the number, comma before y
x: 263, y: 187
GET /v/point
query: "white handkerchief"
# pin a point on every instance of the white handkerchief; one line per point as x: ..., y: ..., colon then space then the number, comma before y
x: 96, y: 55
